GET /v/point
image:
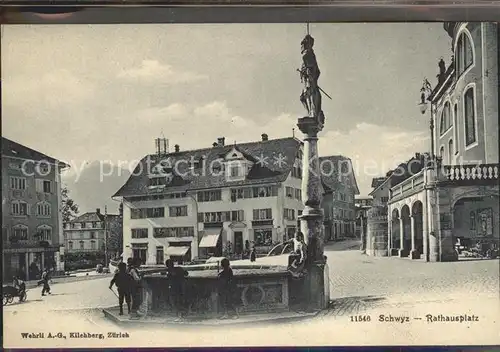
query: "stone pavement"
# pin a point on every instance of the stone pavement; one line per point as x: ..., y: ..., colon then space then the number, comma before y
x: 361, y: 285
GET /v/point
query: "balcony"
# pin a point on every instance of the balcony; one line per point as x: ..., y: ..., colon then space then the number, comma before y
x: 263, y: 222
x: 19, y: 243
x: 408, y: 187
x: 472, y: 174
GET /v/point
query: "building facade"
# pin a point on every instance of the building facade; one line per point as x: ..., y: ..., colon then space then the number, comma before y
x: 89, y: 232
x: 454, y: 197
x: 201, y: 203
x: 362, y: 204
x: 215, y: 201
x: 339, y: 191
x: 31, y: 211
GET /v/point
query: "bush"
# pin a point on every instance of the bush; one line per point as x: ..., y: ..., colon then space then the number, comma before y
x: 83, y: 260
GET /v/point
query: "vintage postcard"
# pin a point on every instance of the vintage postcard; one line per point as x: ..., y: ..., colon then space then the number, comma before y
x: 264, y: 184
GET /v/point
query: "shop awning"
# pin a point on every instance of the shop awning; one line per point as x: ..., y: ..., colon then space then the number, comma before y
x: 177, y: 251
x: 210, y: 239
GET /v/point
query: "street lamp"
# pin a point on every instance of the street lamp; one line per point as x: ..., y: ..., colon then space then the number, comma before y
x: 425, y: 93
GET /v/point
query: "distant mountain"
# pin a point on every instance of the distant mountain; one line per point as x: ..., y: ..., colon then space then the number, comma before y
x: 90, y: 190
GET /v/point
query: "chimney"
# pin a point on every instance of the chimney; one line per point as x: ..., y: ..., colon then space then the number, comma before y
x: 98, y: 211
x: 265, y: 137
x: 220, y: 141
x: 176, y: 148
x: 161, y: 146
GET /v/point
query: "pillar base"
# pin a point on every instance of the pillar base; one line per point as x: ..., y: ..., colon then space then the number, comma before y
x: 414, y: 254
x: 403, y: 253
x: 316, y: 287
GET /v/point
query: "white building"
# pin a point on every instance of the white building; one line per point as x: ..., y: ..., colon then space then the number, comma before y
x: 190, y: 204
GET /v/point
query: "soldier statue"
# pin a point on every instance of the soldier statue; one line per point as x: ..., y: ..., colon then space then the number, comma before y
x: 309, y: 75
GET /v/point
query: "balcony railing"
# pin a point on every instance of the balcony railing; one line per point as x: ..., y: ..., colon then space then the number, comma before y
x: 411, y: 185
x: 469, y: 173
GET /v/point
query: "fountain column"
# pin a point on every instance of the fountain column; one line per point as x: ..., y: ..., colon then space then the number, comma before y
x: 316, y: 281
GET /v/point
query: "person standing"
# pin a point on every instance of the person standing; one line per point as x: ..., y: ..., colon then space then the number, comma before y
x: 253, y: 255
x: 227, y: 288
x: 176, y: 283
x: 123, y: 282
x: 135, y: 287
x: 45, y: 281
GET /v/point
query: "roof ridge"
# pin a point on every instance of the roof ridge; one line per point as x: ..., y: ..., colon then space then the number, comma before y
x: 224, y: 146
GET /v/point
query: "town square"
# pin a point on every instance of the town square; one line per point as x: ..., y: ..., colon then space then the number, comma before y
x: 199, y: 185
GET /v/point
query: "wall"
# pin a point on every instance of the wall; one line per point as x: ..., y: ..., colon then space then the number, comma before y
x: 30, y: 196
x: 182, y: 221
x: 490, y: 47
x: 483, y: 75
x: 76, y: 236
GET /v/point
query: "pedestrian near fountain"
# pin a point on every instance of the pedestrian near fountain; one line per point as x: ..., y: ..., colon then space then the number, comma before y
x: 123, y: 282
x: 45, y: 281
x: 227, y: 288
x: 300, y: 254
x: 176, y: 283
x: 253, y: 254
x: 130, y: 262
x: 136, y: 287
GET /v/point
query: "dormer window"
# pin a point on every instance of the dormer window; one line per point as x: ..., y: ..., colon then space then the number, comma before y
x: 157, y: 181
x: 237, y: 165
x: 235, y: 171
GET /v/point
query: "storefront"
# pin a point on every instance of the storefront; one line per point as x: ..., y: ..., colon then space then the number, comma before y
x: 211, y: 244
x: 179, y: 252
x: 28, y: 263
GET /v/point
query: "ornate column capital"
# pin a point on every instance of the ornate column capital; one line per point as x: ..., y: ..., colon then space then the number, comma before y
x: 309, y: 126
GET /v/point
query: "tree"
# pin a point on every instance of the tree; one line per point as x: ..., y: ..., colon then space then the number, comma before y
x: 69, y: 207
x: 115, y: 230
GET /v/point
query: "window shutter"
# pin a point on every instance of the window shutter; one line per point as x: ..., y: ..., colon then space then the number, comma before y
x: 39, y: 185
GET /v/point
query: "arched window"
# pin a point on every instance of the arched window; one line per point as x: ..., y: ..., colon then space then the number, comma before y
x: 92, y: 244
x: 450, y: 151
x: 441, y: 124
x: 82, y: 245
x: 70, y: 245
x: 19, y: 232
x: 464, y: 53
x: 469, y: 117
x: 43, y: 209
x: 441, y: 153
x: 44, y: 233
x: 445, y: 118
x: 455, y: 123
x: 19, y: 208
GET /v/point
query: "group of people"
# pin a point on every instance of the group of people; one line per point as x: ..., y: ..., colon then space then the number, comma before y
x: 128, y: 281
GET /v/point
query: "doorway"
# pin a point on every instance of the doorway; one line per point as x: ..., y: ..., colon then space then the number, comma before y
x: 159, y: 255
x: 238, y: 242
x: 140, y: 253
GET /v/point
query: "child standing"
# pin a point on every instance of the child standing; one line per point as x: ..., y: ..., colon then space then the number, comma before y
x: 226, y: 288
x: 123, y: 282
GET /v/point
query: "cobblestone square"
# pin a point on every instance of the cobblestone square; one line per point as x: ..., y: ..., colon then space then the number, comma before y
x: 360, y: 285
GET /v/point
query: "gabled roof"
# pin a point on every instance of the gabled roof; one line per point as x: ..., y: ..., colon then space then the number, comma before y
x: 265, y: 170
x: 404, y: 170
x: 330, y: 172
x: 88, y: 217
x: 377, y: 181
x: 15, y: 150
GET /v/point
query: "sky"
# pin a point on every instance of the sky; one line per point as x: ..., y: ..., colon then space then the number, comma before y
x: 82, y: 93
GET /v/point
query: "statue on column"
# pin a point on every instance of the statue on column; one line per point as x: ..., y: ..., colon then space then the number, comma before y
x: 309, y: 75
